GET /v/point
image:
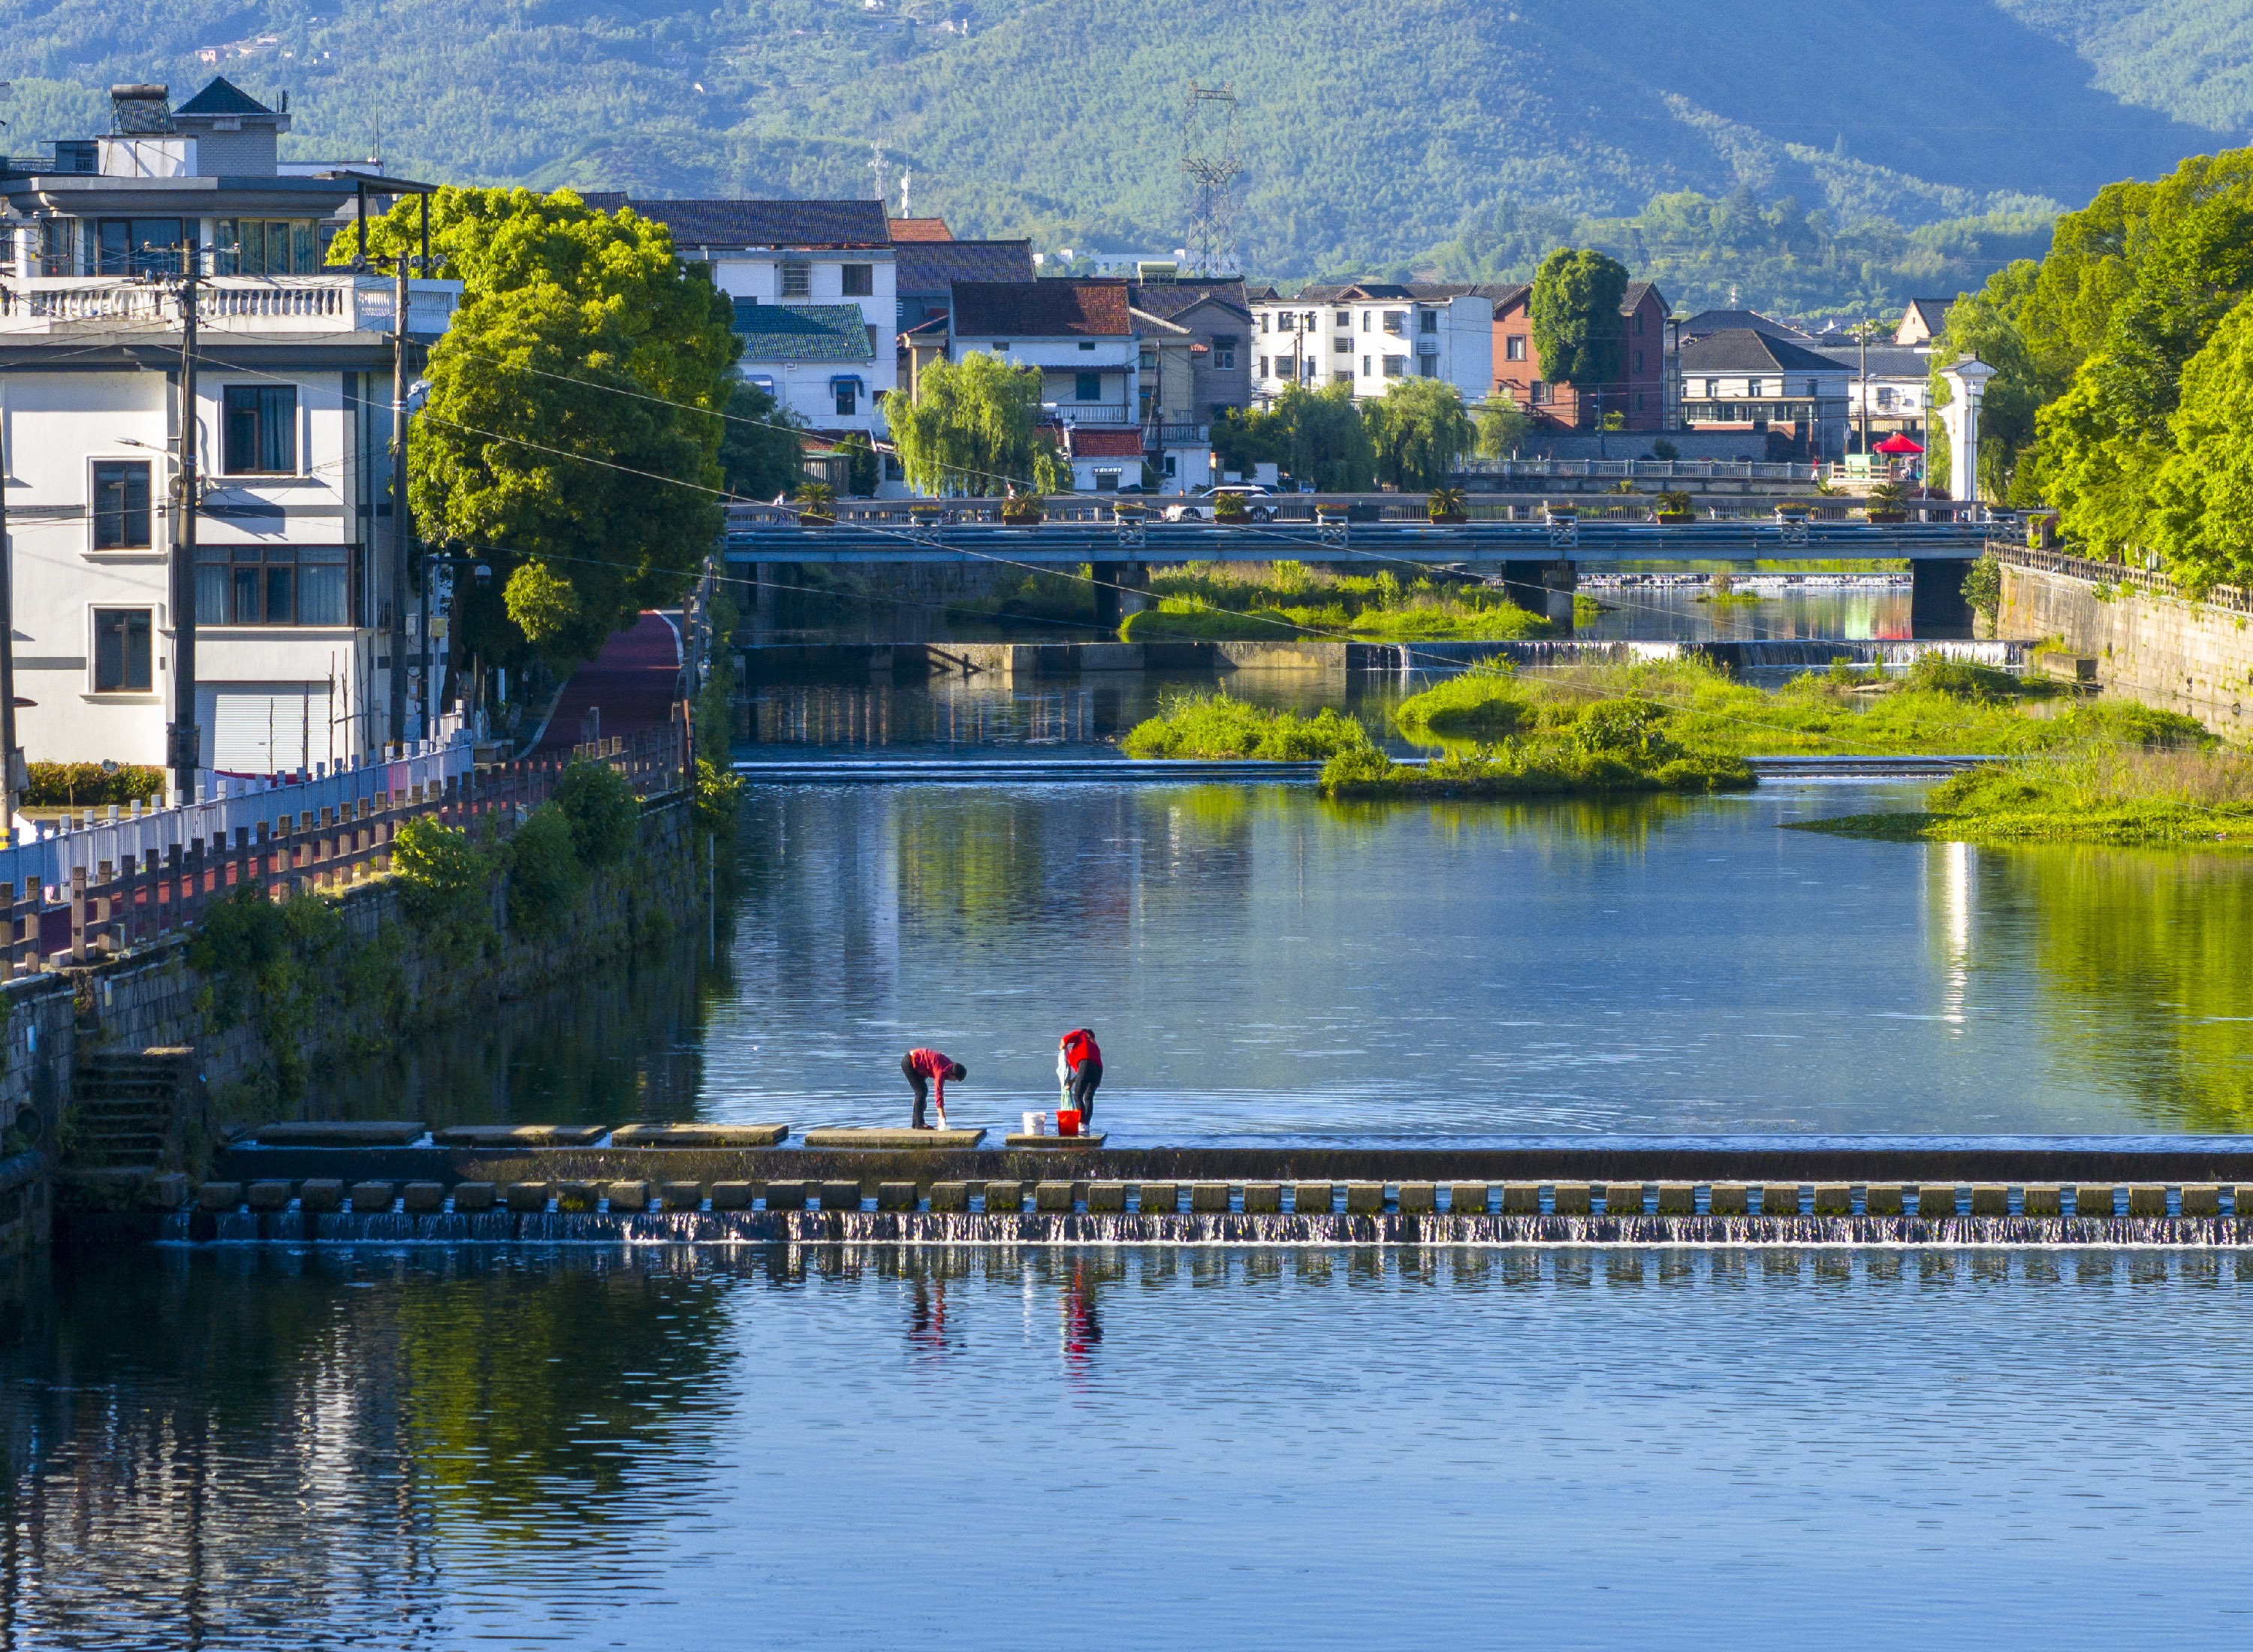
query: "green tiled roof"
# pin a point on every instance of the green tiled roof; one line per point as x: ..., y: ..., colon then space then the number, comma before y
x: 802, y: 332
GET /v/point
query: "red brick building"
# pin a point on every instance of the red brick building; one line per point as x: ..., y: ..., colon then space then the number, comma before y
x: 1639, y: 395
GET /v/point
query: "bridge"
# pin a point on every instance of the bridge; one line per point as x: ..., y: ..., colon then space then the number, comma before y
x: 1539, y: 562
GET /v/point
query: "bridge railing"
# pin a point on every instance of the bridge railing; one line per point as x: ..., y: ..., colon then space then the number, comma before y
x: 102, y: 887
x: 2234, y: 598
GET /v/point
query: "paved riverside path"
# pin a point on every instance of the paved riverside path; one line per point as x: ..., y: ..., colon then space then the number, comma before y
x: 634, y: 682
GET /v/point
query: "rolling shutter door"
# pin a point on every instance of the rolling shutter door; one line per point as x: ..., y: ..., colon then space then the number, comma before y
x: 266, y: 727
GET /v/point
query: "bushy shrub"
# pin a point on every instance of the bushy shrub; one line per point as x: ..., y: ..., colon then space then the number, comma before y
x: 602, y: 810
x: 1961, y: 678
x: 1219, y: 725
x: 88, y: 785
x: 1632, y: 728
x: 544, y: 874
x: 445, y: 876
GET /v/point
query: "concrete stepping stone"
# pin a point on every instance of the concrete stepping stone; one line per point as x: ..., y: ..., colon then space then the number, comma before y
x: 698, y: 1135
x: 895, y: 1140
x: 521, y: 1135
x: 340, y: 1133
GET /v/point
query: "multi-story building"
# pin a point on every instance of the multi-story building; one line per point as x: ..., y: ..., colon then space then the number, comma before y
x: 815, y: 290
x: 1888, y: 390
x: 292, y: 410
x: 1790, y: 402
x: 1638, y: 395
x: 1372, y: 335
x: 1195, y: 363
x: 1080, y: 334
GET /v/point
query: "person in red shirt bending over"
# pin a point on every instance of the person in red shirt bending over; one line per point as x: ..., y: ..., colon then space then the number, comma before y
x: 928, y: 1065
x: 1079, y: 1068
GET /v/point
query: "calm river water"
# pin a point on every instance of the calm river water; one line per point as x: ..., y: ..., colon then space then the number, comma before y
x: 256, y: 1448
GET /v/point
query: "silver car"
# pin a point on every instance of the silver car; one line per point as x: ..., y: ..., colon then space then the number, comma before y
x: 1255, y: 497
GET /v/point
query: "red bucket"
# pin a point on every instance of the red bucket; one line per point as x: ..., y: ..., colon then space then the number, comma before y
x: 1067, y: 1121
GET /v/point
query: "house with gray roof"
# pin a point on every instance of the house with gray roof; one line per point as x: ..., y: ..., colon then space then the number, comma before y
x: 1789, y: 401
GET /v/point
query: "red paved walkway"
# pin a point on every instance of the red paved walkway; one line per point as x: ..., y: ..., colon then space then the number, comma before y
x: 633, y: 680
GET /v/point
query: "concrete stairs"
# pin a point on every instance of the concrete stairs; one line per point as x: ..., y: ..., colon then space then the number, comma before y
x: 127, y: 1124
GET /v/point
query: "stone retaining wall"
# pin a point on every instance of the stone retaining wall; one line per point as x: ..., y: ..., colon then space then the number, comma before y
x: 2166, y: 650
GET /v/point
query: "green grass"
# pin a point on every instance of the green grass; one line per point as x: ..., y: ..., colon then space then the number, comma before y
x: 2101, y: 792
x: 1219, y: 725
x: 1942, y: 706
x: 1552, y: 768
x: 1273, y: 602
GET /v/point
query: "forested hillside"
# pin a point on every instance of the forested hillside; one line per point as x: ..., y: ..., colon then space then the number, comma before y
x: 1374, y: 136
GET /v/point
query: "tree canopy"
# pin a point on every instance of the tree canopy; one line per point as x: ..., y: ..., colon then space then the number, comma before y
x: 569, y: 436
x: 1578, y: 332
x: 974, y: 428
x: 760, y: 453
x: 1419, y: 431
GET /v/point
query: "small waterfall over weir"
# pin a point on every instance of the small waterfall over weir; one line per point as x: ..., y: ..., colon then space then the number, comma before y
x: 1229, y: 1227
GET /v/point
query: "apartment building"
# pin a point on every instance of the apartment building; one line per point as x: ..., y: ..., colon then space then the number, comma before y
x: 295, y: 558
x: 1369, y: 336
x: 1638, y: 395
x: 1790, y: 403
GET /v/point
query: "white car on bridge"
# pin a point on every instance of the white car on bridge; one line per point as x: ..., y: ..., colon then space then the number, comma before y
x: 1257, y: 503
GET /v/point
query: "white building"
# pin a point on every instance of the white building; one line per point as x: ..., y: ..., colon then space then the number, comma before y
x: 1371, y: 336
x: 816, y: 294
x: 1892, y: 395
x: 1080, y: 334
x: 292, y: 414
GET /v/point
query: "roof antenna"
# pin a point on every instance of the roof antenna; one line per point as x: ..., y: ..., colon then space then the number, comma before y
x: 881, y: 168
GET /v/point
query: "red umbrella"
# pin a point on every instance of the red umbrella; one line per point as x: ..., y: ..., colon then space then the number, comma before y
x: 1897, y: 444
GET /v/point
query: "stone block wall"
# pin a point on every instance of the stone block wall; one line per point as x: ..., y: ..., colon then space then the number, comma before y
x: 2165, y: 651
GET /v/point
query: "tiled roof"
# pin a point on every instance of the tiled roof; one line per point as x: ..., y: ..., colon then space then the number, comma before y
x: 929, y: 269
x: 1498, y: 292
x: 1714, y: 321
x: 1088, y: 442
x: 932, y: 331
x: 222, y: 96
x: 1887, y: 360
x: 919, y: 229
x: 802, y: 332
x: 1048, y: 309
x: 1741, y: 350
x: 1171, y: 298
x: 1149, y: 326
x: 760, y: 223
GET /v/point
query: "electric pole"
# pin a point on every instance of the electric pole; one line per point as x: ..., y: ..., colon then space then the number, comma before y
x: 401, y: 535
x: 184, y: 739
x: 10, y: 763
x: 1862, y: 330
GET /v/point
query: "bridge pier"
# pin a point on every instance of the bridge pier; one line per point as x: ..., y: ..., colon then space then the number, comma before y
x: 1545, y: 587
x: 1936, y: 599
x: 1118, y: 587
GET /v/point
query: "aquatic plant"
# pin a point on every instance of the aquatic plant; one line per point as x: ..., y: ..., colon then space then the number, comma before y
x: 1219, y: 725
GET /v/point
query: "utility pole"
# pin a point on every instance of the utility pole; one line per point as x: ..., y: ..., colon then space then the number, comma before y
x: 400, y: 533
x: 9, y: 761
x: 184, y: 740
x: 1862, y: 330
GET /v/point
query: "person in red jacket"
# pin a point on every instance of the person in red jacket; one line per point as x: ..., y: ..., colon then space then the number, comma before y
x: 928, y: 1065
x: 1080, y: 1066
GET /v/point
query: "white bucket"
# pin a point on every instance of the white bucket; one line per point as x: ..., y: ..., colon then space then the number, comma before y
x: 1036, y: 1124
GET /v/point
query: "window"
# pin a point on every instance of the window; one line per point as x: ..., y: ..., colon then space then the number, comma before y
x: 1087, y: 344
x: 121, y: 506
x: 1087, y: 386
x: 1638, y: 402
x: 1000, y: 348
x: 120, y: 651
x: 1342, y: 377
x: 55, y: 238
x: 1812, y: 390
x: 1345, y: 345
x: 1428, y: 321
x: 1638, y: 324
x: 262, y: 430
x: 1540, y: 393
x: 1396, y: 366
x: 1310, y: 370
x: 1513, y: 348
x: 268, y: 246
x: 1106, y: 481
x: 1263, y: 366
x: 1364, y: 366
x: 1713, y: 387
x: 859, y: 280
x: 1638, y: 363
x: 273, y: 585
x: 1172, y: 466
x: 1344, y: 320
x: 137, y: 245
x: 1366, y: 316
x: 797, y: 280
x: 1224, y: 350
x: 1263, y: 319
x: 1885, y: 395
x: 1427, y: 366
x: 1285, y: 323
x: 1752, y: 387
x: 848, y: 397
x: 1310, y: 321
x: 1396, y: 322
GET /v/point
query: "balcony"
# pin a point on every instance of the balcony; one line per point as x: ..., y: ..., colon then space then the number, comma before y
x: 73, y: 306
x: 1091, y: 412
x: 1175, y: 436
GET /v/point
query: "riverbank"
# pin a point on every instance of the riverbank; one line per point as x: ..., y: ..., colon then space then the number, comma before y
x: 1558, y: 767
x: 1274, y: 601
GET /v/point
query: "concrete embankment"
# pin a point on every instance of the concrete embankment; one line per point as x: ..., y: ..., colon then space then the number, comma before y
x: 913, y: 662
x: 2129, y: 631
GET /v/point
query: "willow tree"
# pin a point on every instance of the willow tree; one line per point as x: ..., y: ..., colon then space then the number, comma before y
x: 974, y: 428
x: 569, y: 436
x: 1419, y: 431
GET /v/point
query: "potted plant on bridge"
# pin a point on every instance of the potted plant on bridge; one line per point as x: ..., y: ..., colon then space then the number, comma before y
x: 1675, y: 509
x: 1885, y: 501
x: 817, y: 505
x: 1129, y: 511
x: 1229, y: 509
x: 926, y: 513
x: 1021, y: 509
x: 1446, y: 504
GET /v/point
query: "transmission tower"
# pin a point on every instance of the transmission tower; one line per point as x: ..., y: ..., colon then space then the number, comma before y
x: 1212, y: 155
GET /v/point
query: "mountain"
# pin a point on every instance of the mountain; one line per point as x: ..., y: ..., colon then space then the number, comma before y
x: 1370, y: 134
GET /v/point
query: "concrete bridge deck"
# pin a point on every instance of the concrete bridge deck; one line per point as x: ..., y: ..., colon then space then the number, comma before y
x: 1588, y: 545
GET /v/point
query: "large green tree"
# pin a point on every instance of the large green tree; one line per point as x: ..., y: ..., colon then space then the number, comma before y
x: 1420, y: 432
x: 1578, y: 331
x: 974, y: 428
x: 569, y: 436
x: 2202, y: 522
x: 1313, y: 436
x: 761, y: 454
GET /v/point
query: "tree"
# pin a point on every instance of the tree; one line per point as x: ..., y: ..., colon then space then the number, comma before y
x: 860, y: 471
x: 760, y: 453
x: 1502, y: 425
x: 568, y: 434
x: 1324, y: 439
x: 974, y: 428
x: 2203, y: 491
x: 1986, y: 325
x: 1578, y: 331
x: 1420, y: 432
